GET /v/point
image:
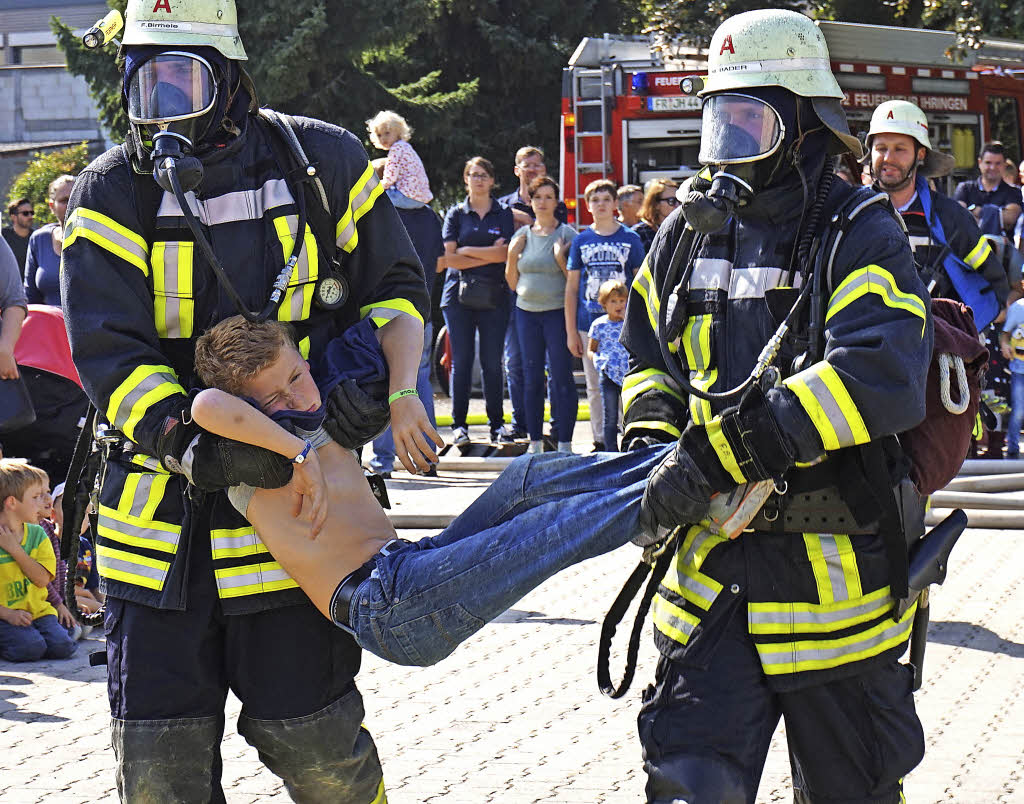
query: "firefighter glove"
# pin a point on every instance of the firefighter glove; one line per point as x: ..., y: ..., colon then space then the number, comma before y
x: 212, y: 463
x: 677, y: 493
x: 356, y: 416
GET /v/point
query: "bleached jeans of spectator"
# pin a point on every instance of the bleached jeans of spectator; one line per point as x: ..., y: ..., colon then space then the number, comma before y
x: 1016, y: 415
x: 593, y: 377
x: 401, y: 201
x: 383, y: 459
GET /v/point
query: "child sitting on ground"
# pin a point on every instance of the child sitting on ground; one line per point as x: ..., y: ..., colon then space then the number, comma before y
x: 28, y: 623
x: 609, y: 356
x: 405, y: 178
x: 408, y: 603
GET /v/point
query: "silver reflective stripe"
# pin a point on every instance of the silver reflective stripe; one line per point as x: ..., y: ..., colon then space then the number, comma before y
x: 242, y: 205
x: 106, y: 561
x: 112, y: 236
x: 257, y: 576
x: 150, y: 383
x: 878, y: 279
x: 830, y: 552
x: 790, y: 654
x: 701, y: 358
x: 710, y: 274
x: 666, y: 619
x: 831, y: 409
x: 172, y: 302
x: 822, y: 617
x: 355, y: 212
x: 918, y: 240
x: 113, y: 528
x: 298, y: 288
x: 703, y: 595
x: 141, y: 496
x: 751, y: 283
x: 236, y: 540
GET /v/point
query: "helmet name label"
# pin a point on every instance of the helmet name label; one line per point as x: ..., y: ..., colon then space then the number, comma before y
x: 154, y: 25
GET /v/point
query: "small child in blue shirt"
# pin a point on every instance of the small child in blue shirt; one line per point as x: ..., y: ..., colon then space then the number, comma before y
x: 1011, y: 343
x: 609, y: 356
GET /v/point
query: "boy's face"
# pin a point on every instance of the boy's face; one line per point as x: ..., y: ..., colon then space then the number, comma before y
x: 27, y: 509
x: 45, y: 506
x: 601, y: 205
x: 615, y: 306
x: 285, y: 384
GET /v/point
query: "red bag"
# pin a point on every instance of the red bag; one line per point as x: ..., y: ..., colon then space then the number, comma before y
x: 938, y: 446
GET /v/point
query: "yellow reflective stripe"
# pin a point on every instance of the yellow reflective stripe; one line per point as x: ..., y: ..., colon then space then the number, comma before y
x: 137, y: 531
x: 361, y: 198
x: 383, y: 311
x: 144, y: 387
x: 304, y: 348
x: 821, y: 654
x: 675, y: 623
x: 234, y: 543
x: 684, y: 576
x: 812, y: 543
x: 252, y: 579
x: 848, y: 562
x: 826, y: 401
x: 643, y: 283
x: 723, y: 450
x: 664, y: 427
x: 173, y: 306
x: 979, y: 253
x: 834, y: 566
x: 380, y: 798
x: 297, y: 301
x: 108, y: 234
x: 810, y: 618
x: 696, y: 342
x: 148, y: 462
x: 877, y: 280
x: 130, y: 568
x: 636, y: 382
x: 700, y: 409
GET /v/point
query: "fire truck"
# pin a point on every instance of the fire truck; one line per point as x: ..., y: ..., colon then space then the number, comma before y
x: 624, y: 116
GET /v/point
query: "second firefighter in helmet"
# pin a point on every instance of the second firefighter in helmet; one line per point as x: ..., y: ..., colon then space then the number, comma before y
x: 793, y: 617
x: 953, y: 258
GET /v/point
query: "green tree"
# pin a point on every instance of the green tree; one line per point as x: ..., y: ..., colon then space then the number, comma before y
x: 34, y: 181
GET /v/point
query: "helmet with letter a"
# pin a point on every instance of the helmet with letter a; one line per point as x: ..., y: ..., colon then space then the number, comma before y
x: 186, y: 24
x: 906, y: 118
x: 751, y: 57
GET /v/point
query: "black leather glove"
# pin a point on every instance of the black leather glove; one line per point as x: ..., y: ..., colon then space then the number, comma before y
x: 213, y: 463
x: 356, y: 416
x: 677, y: 493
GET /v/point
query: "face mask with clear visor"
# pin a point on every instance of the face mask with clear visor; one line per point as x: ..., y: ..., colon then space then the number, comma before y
x: 737, y: 129
x: 173, y: 92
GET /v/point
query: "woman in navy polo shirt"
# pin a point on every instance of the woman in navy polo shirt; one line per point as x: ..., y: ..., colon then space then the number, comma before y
x: 475, y: 297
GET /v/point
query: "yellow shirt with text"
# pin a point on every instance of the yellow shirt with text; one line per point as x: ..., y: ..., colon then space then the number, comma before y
x: 16, y: 590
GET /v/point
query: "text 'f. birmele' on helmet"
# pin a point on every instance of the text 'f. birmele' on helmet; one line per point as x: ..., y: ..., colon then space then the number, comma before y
x: 904, y: 117
x: 779, y: 48
x: 184, y: 23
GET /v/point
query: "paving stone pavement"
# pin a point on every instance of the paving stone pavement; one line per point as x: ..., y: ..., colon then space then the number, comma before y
x: 515, y: 716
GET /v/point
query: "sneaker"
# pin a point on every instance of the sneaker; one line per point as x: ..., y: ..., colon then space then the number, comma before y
x: 460, y: 436
x: 520, y: 433
x: 503, y: 435
x: 598, y: 446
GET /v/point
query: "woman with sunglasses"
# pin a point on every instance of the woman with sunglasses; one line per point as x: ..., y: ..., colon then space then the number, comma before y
x: 42, y: 265
x: 659, y: 201
x: 475, y: 298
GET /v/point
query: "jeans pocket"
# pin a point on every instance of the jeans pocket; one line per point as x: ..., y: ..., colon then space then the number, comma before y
x: 428, y: 639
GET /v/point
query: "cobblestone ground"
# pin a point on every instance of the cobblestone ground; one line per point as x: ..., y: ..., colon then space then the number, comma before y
x: 515, y: 715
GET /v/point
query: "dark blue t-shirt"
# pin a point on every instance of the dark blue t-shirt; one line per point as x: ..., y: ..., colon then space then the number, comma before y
x: 599, y: 258
x: 972, y: 193
x: 42, y: 268
x: 513, y: 201
x: 464, y: 227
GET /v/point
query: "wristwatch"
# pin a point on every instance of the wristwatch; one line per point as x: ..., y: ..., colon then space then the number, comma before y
x: 301, y: 457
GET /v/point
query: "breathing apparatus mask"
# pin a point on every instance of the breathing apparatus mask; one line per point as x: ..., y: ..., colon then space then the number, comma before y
x: 176, y: 100
x: 744, y: 139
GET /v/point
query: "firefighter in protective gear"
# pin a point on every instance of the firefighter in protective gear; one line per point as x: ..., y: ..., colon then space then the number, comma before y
x: 795, y: 617
x: 953, y: 258
x: 196, y: 603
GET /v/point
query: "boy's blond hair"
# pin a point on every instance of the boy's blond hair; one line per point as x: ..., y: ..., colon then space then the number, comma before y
x: 17, y: 476
x: 613, y: 287
x: 598, y: 186
x: 387, y: 121
x: 234, y: 351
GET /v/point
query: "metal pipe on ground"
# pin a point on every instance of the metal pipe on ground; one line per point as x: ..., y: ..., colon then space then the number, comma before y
x: 979, y: 483
x: 970, y: 500
x: 986, y: 520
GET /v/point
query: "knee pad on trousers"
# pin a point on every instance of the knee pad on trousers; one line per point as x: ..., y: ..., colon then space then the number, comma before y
x: 167, y: 760
x: 689, y: 779
x: 324, y: 757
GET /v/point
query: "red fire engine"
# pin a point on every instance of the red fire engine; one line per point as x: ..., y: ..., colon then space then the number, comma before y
x: 624, y: 116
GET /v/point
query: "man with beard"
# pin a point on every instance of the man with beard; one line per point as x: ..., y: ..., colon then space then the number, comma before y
x: 953, y: 258
x: 794, y: 618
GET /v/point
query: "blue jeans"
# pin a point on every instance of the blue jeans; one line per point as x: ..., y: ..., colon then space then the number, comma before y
x: 1016, y: 415
x: 514, y: 376
x: 401, y: 201
x: 540, y: 334
x: 45, y: 638
x: 610, y: 393
x: 383, y: 459
x: 462, y: 327
x: 543, y: 514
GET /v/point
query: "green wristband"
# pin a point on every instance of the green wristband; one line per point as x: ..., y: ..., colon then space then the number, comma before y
x: 400, y: 394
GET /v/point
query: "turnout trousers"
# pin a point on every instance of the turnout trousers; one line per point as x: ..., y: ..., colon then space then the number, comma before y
x: 706, y: 729
x: 168, y: 673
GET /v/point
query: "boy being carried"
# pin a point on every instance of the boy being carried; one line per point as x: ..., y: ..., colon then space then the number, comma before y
x: 408, y: 603
x: 29, y: 629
